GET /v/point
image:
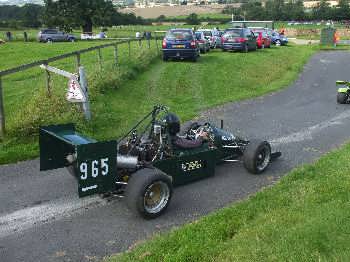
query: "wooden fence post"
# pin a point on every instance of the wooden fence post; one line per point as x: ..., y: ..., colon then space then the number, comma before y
x: 157, y: 43
x: 129, y: 48
x: 78, y: 61
x: 116, y: 54
x: 99, y: 58
x: 48, y: 81
x: 2, y: 113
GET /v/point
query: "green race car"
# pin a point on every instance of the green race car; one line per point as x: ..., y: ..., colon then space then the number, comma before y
x: 145, y: 164
x: 343, y: 92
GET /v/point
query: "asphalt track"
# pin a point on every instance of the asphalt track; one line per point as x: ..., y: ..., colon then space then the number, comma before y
x: 42, y: 219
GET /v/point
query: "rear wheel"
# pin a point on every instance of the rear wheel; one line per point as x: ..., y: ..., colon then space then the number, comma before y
x: 49, y: 40
x: 278, y: 42
x: 245, y: 48
x: 194, y: 58
x: 257, y: 156
x: 342, y: 98
x: 149, y: 192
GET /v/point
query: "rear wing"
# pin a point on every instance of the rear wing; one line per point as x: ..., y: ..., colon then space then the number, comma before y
x: 92, y: 163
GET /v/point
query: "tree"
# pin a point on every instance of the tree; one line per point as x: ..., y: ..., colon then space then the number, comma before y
x: 343, y: 10
x: 84, y: 13
x: 322, y: 10
x: 192, y: 19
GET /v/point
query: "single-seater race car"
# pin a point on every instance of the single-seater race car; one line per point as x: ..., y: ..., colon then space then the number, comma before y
x: 343, y: 92
x: 149, y: 160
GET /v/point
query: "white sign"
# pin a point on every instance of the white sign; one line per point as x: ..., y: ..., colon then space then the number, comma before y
x: 74, y: 93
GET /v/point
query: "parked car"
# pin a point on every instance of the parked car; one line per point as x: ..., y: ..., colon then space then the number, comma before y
x: 242, y: 39
x: 181, y: 44
x: 209, y: 34
x: 204, y: 45
x: 53, y: 35
x: 262, y: 38
x: 276, y: 38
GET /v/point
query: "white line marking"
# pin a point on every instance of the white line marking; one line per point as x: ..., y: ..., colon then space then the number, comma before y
x: 307, y: 133
x: 54, y: 210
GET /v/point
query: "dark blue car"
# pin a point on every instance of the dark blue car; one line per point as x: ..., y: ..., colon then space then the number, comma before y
x: 180, y: 44
x: 276, y: 38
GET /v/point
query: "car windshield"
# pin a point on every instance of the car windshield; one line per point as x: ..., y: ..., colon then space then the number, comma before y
x: 198, y: 35
x: 233, y: 33
x: 179, y: 35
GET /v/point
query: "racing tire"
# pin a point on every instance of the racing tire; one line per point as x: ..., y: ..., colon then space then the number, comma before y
x: 257, y: 156
x: 149, y: 192
x: 278, y: 43
x: 342, y: 98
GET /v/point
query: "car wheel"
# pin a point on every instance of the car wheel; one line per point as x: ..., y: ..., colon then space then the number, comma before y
x: 71, y: 40
x: 223, y: 50
x: 194, y: 58
x: 149, y: 192
x: 208, y: 49
x: 257, y: 156
x: 245, y: 49
x: 49, y: 40
x: 203, y: 51
x: 342, y: 98
x: 165, y: 58
x: 278, y: 43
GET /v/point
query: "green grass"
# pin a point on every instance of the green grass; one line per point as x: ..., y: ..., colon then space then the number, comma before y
x: 304, y: 217
x: 120, y: 96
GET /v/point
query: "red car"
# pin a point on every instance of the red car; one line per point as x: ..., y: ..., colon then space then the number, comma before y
x: 262, y: 38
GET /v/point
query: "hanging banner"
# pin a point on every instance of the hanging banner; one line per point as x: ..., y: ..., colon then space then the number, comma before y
x: 74, y: 93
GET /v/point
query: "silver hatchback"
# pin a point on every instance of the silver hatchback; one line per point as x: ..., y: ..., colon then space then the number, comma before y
x: 53, y: 35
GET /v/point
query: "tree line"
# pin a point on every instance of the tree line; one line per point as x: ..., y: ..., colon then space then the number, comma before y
x: 279, y: 10
x: 66, y: 15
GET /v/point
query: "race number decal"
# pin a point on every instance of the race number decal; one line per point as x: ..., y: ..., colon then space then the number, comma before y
x: 192, y: 165
x: 94, y: 168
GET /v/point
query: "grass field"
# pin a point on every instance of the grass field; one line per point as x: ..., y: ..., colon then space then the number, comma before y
x: 304, y: 217
x: 119, y: 96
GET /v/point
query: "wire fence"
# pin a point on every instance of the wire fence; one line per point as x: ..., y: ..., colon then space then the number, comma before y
x: 95, y: 58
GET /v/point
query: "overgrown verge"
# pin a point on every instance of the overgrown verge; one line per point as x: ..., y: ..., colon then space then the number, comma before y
x: 304, y: 217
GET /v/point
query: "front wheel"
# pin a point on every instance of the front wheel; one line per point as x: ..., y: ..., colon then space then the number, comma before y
x: 148, y: 192
x: 257, y: 156
x: 342, y: 98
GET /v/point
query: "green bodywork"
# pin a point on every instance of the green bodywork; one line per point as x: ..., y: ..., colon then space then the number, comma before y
x: 343, y: 89
x: 189, y: 164
x: 94, y: 162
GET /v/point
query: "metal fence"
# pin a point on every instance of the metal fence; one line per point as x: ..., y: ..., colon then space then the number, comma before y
x: 77, y: 55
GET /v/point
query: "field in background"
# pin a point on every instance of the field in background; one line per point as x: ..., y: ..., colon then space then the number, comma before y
x: 154, y: 12
x: 120, y: 95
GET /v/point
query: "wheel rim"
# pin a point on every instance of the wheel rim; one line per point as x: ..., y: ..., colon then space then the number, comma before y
x: 263, y: 158
x: 278, y: 43
x: 156, y: 197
